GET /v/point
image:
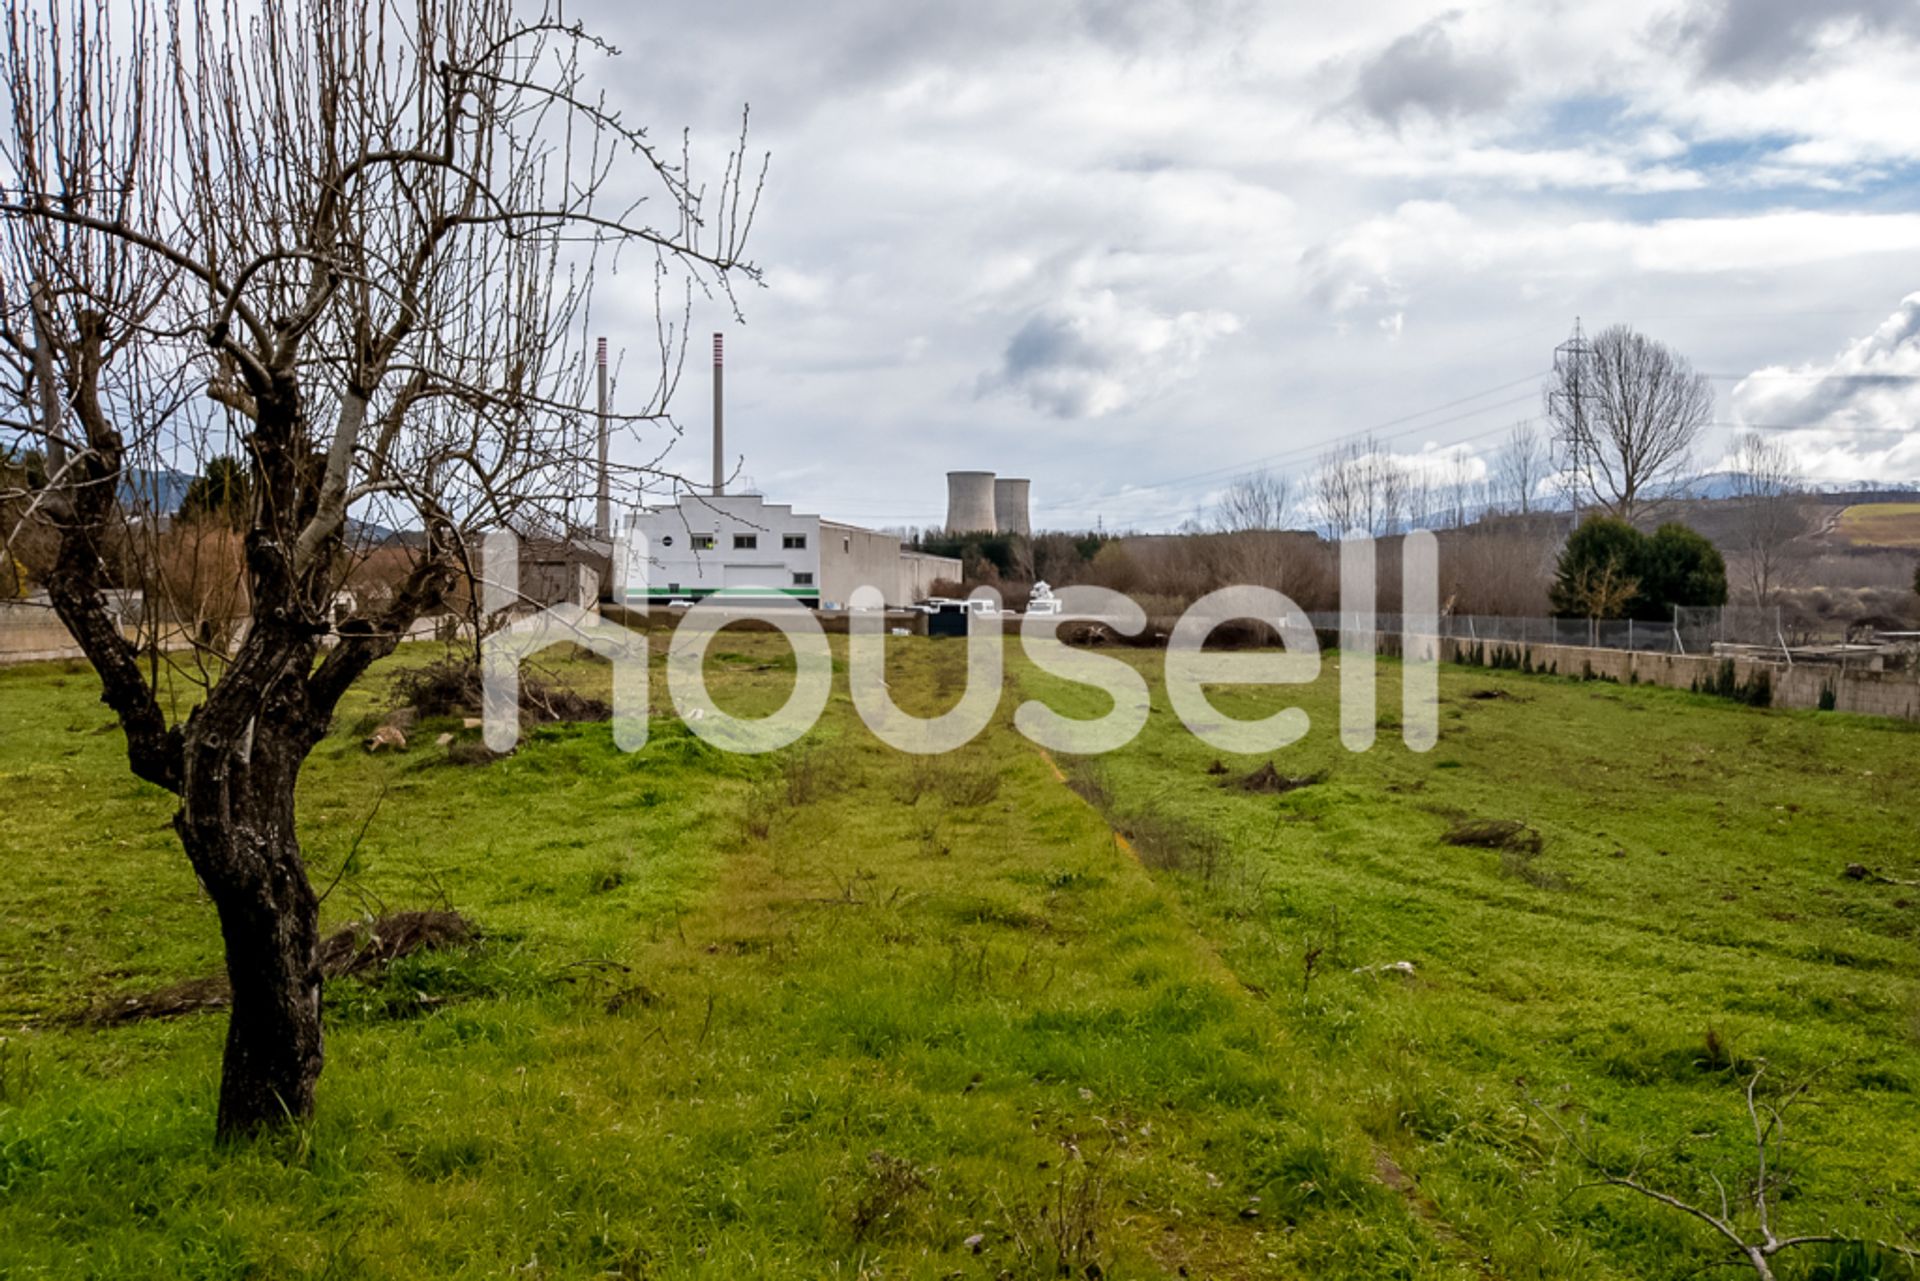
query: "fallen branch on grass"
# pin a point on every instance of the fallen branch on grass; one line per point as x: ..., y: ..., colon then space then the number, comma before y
x: 358, y: 949
x: 1756, y: 1248
x: 1861, y: 872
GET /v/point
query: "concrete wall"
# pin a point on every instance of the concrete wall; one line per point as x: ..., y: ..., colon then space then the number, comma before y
x: 29, y: 634
x: 32, y: 631
x: 852, y: 557
x: 1894, y: 694
x: 918, y: 573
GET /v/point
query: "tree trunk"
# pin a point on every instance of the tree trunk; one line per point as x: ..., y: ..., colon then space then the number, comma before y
x: 237, y: 823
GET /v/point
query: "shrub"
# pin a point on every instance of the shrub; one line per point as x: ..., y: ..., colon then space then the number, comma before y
x: 1608, y: 569
x: 1679, y: 566
x: 223, y: 495
x: 1596, y: 574
x: 1755, y: 691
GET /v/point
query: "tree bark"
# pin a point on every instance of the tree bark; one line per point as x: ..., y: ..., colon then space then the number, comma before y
x: 236, y: 822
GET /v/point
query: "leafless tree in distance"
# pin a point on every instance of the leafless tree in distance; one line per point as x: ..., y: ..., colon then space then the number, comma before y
x: 1460, y: 489
x: 1257, y: 500
x: 1359, y: 486
x: 1772, y: 511
x: 1522, y: 466
x: 353, y: 243
x: 1626, y: 414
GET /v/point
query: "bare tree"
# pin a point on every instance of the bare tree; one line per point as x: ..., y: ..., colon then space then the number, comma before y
x: 1257, y: 500
x: 1359, y: 486
x: 1460, y: 489
x: 1771, y: 512
x: 1522, y: 466
x: 351, y: 242
x: 1626, y: 412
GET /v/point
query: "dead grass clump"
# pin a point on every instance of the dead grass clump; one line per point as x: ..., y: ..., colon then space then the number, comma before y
x: 965, y: 786
x: 890, y: 1184
x: 1087, y: 786
x: 635, y: 996
x: 1268, y: 781
x: 1494, y: 834
x: 1519, y: 846
x: 472, y: 751
x: 367, y: 945
x: 763, y: 802
x: 1520, y: 865
x: 175, y: 999
x: 546, y: 702
x: 359, y: 949
x: 1166, y: 844
x: 1067, y: 1228
x: 802, y: 776
x: 933, y: 841
x: 452, y: 687
x: 916, y: 780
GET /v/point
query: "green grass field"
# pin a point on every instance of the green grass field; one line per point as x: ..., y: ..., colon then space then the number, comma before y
x: 1881, y: 525
x: 838, y: 1012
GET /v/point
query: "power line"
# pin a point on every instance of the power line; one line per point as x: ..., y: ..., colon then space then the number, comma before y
x: 1320, y: 446
x: 1823, y: 377
x: 1172, y: 512
x: 1808, y: 427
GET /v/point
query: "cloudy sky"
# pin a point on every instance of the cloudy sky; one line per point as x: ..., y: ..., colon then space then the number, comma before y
x: 1132, y: 248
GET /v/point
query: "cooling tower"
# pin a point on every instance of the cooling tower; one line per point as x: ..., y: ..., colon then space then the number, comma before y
x: 970, y: 502
x: 1010, y: 507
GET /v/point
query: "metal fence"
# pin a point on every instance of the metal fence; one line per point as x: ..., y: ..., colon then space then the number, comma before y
x: 1693, y: 631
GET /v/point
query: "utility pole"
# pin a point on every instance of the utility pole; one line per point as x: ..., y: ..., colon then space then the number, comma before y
x: 1570, y: 368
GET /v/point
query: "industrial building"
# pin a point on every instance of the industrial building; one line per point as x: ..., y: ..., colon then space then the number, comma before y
x: 978, y: 502
x: 746, y: 548
x: 749, y: 548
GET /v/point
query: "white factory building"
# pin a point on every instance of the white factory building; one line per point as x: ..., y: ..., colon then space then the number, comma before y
x: 742, y: 547
x: 745, y: 547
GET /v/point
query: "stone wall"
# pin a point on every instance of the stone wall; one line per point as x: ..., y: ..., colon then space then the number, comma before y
x: 1802, y: 685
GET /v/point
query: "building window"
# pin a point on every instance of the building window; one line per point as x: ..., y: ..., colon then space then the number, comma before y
x: 802, y: 579
x: 745, y: 542
x: 794, y: 542
x: 703, y: 542
x: 846, y: 544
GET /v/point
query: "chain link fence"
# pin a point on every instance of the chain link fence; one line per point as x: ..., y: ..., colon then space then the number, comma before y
x: 1692, y: 631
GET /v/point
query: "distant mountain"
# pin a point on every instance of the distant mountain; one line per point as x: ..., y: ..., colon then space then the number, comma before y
x: 1728, y: 484
x: 160, y: 491
x: 155, y: 491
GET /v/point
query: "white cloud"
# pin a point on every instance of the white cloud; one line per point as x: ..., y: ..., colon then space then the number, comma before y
x: 1091, y: 356
x: 1085, y: 201
x: 1425, y: 70
x: 1856, y: 416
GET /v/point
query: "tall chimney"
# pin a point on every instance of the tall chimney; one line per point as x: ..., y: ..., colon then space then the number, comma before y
x: 719, y: 448
x: 603, y: 489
